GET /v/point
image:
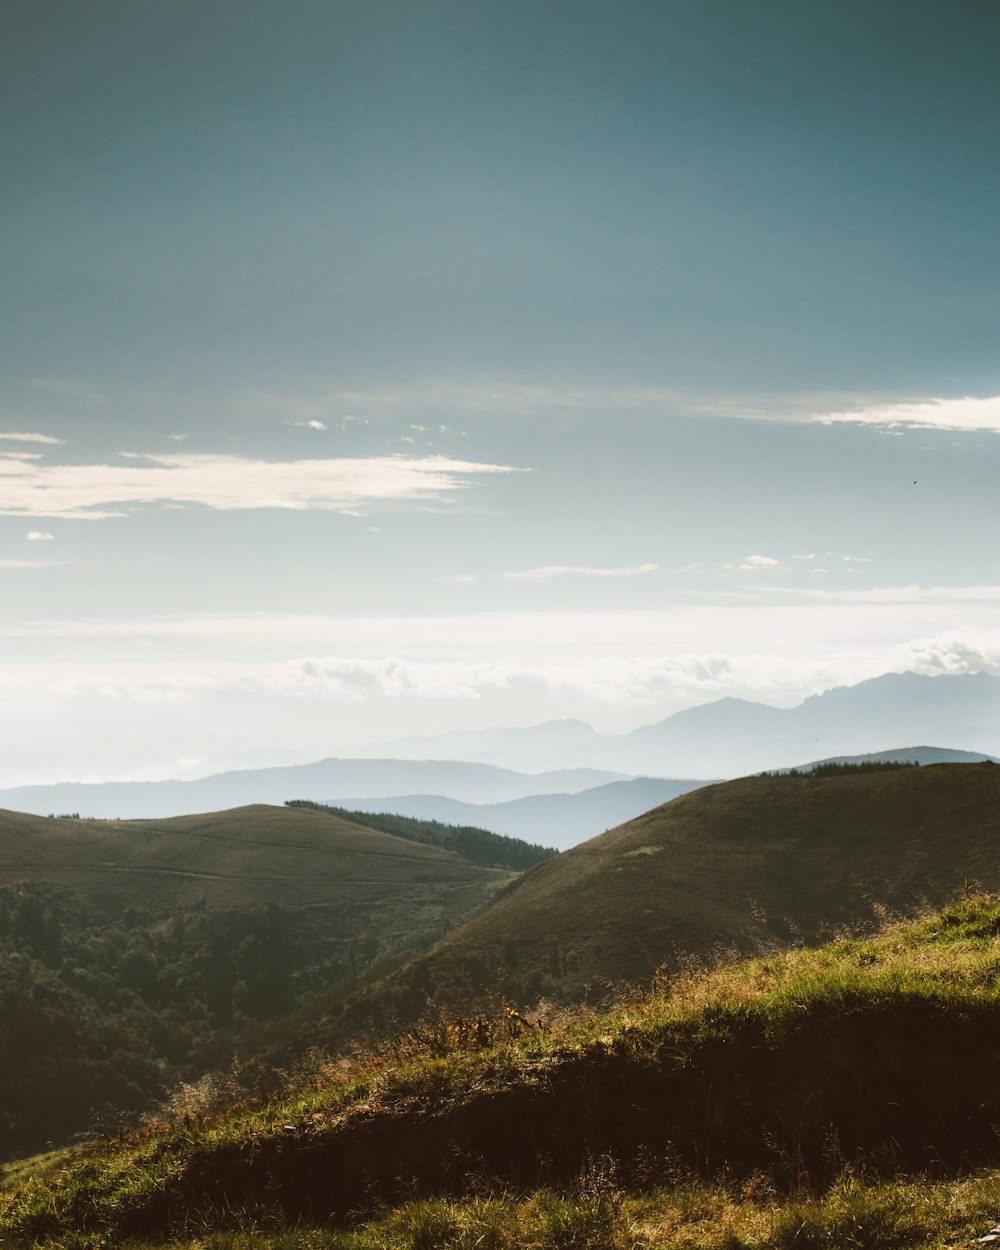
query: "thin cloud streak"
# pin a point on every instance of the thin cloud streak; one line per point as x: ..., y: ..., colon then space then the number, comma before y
x: 226, y: 483
x: 968, y: 415
x: 15, y: 437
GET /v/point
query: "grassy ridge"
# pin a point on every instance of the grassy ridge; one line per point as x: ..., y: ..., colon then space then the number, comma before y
x: 806, y: 1070
x: 738, y: 867
x: 246, y: 856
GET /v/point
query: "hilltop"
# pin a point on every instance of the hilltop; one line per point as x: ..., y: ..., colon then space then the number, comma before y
x: 757, y: 863
x: 831, y: 1097
x: 247, y: 856
x: 137, y: 953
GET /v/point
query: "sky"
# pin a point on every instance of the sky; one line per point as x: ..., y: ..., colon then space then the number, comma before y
x: 398, y: 366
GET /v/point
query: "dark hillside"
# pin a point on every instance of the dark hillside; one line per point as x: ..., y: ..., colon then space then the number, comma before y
x: 755, y: 863
x: 813, y: 1074
x: 137, y: 953
x: 472, y: 842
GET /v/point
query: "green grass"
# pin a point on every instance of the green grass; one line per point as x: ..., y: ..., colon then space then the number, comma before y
x: 761, y: 861
x: 841, y: 1096
x: 137, y: 953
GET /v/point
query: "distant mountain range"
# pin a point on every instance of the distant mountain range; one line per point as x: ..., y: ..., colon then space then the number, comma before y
x: 733, y: 737
x: 327, y: 781
x: 730, y: 737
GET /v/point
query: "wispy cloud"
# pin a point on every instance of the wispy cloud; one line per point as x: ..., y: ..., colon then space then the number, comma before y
x: 24, y: 564
x: 967, y: 414
x: 39, y: 536
x: 19, y: 437
x: 552, y: 572
x: 442, y: 399
x: 313, y: 424
x: 226, y: 483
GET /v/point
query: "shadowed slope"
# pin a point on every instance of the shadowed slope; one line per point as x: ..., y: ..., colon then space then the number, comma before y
x: 137, y: 953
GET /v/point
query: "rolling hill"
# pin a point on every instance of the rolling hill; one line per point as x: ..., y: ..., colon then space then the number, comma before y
x: 247, y: 857
x: 760, y: 862
x: 137, y: 953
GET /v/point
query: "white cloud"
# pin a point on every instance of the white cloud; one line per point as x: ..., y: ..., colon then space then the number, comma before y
x: 30, y: 438
x: 966, y: 414
x: 24, y: 564
x: 313, y: 424
x: 753, y: 564
x: 551, y: 572
x: 98, y: 491
x: 962, y: 651
x: 39, y: 536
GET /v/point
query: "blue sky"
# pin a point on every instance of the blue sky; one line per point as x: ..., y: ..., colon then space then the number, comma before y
x: 378, y: 368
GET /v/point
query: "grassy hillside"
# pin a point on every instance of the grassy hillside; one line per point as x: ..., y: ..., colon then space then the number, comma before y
x: 845, y: 1096
x: 135, y: 953
x: 246, y: 856
x: 748, y: 864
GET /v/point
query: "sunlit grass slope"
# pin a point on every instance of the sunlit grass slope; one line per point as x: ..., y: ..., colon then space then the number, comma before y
x: 732, y: 867
x: 686, y: 1110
